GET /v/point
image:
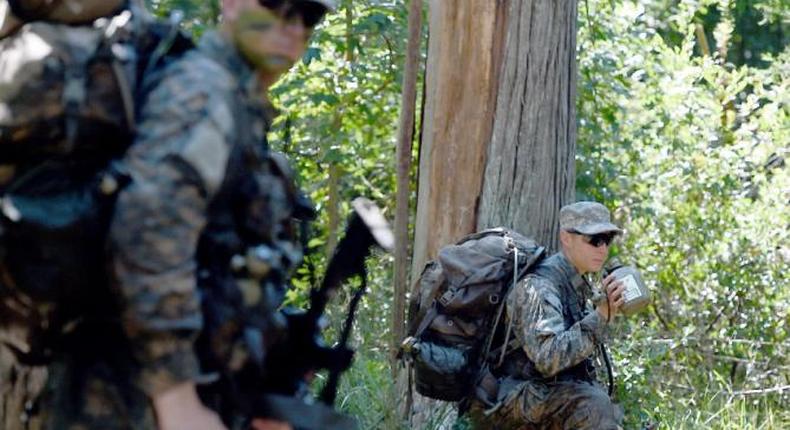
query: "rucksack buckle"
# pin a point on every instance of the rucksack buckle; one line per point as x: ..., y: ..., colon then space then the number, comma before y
x: 408, y: 347
x: 446, y: 298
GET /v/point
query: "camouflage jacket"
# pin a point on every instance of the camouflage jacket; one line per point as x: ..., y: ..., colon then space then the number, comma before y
x: 204, y: 119
x: 541, y: 309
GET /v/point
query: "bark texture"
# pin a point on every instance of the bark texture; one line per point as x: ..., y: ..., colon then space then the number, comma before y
x: 461, y: 82
x: 530, y: 170
x: 464, y: 48
x: 404, y: 154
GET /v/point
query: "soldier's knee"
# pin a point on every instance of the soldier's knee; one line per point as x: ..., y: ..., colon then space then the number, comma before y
x: 593, y: 411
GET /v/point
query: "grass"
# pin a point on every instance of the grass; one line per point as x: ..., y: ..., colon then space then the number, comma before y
x: 367, y: 392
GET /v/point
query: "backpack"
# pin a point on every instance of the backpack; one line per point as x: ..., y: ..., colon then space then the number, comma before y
x: 70, y: 75
x: 454, y: 320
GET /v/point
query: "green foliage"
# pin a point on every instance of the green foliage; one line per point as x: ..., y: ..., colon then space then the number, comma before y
x: 691, y: 150
x: 340, y: 105
x: 339, y: 110
x: 760, y: 27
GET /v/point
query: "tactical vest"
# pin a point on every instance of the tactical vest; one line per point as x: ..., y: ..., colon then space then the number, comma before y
x: 573, y: 310
x: 249, y: 247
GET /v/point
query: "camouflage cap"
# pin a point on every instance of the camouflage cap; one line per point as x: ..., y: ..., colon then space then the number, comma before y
x: 587, y: 218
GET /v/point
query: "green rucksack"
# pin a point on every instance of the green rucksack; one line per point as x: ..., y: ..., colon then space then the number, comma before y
x: 454, y: 319
x: 70, y: 84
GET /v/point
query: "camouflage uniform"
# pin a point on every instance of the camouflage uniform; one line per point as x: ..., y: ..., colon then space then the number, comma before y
x: 549, y: 381
x: 204, y: 188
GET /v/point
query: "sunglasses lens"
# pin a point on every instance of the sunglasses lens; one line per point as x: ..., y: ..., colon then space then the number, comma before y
x: 601, y: 239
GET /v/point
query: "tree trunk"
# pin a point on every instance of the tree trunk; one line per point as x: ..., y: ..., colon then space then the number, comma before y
x: 461, y: 82
x: 464, y: 49
x: 404, y: 150
x: 530, y: 170
x: 498, y: 136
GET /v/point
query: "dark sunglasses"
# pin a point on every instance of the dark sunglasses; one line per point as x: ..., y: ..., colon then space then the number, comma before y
x: 597, y: 240
x: 311, y: 13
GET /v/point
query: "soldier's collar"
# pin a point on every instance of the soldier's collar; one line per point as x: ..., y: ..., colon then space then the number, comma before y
x: 565, y: 265
x: 579, y: 282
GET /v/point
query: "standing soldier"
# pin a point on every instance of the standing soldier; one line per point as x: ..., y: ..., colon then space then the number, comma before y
x: 548, y: 380
x: 205, y: 191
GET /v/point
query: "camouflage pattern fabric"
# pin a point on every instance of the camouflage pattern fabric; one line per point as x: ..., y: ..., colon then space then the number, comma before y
x: 535, y: 309
x: 553, y: 344
x: 562, y: 405
x: 587, y: 218
x: 186, y: 134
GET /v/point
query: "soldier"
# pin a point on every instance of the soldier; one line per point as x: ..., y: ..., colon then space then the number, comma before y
x: 548, y: 380
x: 204, y: 190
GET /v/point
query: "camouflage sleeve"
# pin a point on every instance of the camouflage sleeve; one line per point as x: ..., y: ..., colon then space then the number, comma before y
x: 177, y: 163
x: 535, y: 309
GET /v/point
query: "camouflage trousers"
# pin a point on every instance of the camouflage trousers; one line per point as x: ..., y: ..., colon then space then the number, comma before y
x: 567, y: 405
x: 85, y: 388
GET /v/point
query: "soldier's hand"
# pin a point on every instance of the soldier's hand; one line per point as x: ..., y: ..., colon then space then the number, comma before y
x: 614, y: 293
x: 180, y: 408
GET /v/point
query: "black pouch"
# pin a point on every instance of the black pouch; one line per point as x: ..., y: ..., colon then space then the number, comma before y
x: 442, y: 372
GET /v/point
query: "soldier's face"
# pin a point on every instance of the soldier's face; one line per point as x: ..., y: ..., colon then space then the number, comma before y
x: 585, y: 256
x: 270, y: 40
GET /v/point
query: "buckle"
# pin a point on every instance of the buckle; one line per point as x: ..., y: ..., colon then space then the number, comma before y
x: 446, y: 298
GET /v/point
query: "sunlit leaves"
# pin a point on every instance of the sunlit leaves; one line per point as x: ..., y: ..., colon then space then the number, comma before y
x: 691, y: 150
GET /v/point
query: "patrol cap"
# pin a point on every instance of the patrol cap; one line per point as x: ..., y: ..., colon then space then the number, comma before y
x: 587, y: 218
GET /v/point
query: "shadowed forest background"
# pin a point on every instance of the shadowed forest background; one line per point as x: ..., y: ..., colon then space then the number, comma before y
x: 683, y: 129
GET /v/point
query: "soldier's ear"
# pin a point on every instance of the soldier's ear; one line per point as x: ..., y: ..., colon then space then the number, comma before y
x: 565, y: 239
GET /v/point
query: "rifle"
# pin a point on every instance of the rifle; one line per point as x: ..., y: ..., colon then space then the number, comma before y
x: 302, y: 351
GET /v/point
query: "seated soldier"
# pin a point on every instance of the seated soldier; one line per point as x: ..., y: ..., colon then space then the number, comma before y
x: 548, y: 380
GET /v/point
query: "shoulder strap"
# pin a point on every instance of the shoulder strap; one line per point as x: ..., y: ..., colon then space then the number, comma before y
x: 500, y: 310
x: 573, y: 298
